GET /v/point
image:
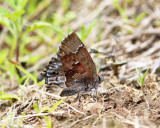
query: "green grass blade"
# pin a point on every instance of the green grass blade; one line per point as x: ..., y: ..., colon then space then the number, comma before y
x: 12, y: 3
x: 51, y: 109
x: 3, y: 11
x: 138, y: 73
x: 145, y: 74
x: 56, y: 104
x: 8, y: 97
x: 15, y: 15
x: 140, y: 17
x: 21, y: 120
x: 41, y: 25
x: 139, y: 77
x: 35, y: 106
x: 27, y: 73
x: 48, y: 122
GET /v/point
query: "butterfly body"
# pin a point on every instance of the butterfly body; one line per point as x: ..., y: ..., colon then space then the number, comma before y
x: 73, y: 69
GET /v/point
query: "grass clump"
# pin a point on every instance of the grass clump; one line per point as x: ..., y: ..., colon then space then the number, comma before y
x: 140, y: 80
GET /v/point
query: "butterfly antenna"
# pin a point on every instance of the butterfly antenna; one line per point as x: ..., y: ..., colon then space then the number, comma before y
x: 112, y: 85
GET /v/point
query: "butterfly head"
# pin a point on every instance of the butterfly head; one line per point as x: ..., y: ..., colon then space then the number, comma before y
x: 100, y: 79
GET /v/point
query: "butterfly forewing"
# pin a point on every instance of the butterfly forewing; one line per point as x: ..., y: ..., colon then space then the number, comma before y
x: 72, y: 53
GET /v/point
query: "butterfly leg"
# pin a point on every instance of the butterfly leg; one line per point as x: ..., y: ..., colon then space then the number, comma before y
x: 78, y: 98
x: 99, y: 89
x: 94, y: 94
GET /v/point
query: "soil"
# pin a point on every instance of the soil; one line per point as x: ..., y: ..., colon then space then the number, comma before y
x: 134, y: 45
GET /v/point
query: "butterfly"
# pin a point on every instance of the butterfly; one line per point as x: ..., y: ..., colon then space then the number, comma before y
x: 73, y: 69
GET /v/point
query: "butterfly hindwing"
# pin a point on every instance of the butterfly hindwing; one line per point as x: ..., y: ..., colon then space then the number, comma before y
x: 73, y: 69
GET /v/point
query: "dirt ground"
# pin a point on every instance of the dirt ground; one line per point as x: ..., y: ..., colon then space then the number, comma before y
x: 135, y: 44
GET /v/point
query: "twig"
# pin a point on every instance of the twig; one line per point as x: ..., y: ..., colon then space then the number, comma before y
x: 74, y: 108
x: 79, y: 121
x: 104, y: 122
x: 32, y: 115
x: 53, y: 95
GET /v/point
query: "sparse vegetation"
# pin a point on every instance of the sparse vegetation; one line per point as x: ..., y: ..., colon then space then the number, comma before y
x: 30, y: 33
x: 140, y: 80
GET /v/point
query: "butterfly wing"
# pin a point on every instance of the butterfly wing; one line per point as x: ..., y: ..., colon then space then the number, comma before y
x: 73, y: 54
x: 73, y: 67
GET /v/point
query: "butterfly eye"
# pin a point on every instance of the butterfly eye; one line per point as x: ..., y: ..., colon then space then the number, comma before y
x: 100, y: 79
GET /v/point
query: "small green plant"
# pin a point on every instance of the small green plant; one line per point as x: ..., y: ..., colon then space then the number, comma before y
x: 18, y: 31
x: 43, y: 109
x: 85, y: 32
x: 65, y: 16
x: 140, y: 82
x: 3, y: 55
x: 18, y: 37
x: 65, y: 5
x: 138, y: 18
x: 9, y: 97
x: 21, y: 120
x: 10, y: 67
x: 141, y: 78
x: 33, y: 77
x: 121, y: 10
x: 48, y: 122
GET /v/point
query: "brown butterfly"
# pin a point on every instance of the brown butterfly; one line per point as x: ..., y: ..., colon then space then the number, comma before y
x: 73, y: 69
